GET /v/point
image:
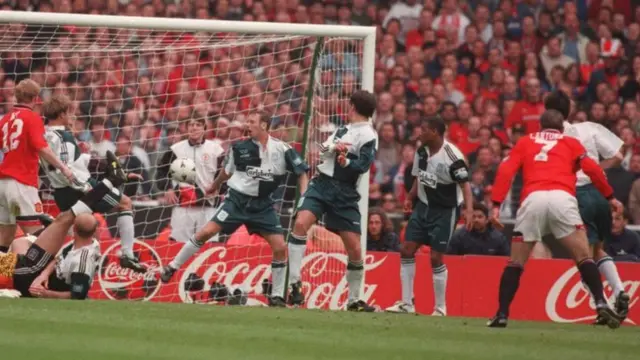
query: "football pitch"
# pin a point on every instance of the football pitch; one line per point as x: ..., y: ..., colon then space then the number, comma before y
x: 97, y: 330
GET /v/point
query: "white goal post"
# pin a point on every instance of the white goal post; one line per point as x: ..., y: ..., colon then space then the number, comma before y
x: 250, y: 33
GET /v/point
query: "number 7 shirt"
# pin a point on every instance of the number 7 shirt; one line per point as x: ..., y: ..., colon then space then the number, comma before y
x: 21, y: 138
x: 549, y: 161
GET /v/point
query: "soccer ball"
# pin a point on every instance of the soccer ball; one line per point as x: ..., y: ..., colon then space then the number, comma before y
x: 183, y: 170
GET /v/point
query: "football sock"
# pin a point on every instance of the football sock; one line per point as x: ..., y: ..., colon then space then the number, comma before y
x: 509, y: 283
x: 186, y: 252
x: 608, y: 268
x: 591, y: 277
x: 407, y: 274
x: 440, y: 286
x: 92, y: 198
x: 127, y: 233
x: 278, y: 277
x: 355, y: 271
x: 297, y: 246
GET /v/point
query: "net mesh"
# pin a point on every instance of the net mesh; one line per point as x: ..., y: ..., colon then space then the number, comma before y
x: 135, y: 90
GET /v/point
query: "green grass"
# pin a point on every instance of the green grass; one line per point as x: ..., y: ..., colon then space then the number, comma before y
x: 96, y: 330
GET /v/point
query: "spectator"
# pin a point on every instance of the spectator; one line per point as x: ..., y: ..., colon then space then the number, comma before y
x: 100, y: 142
x: 407, y: 13
x: 553, y: 56
x: 380, y: 234
x: 388, y: 149
x: 624, y: 244
x: 482, y: 239
x: 574, y: 44
x: 451, y: 21
x: 526, y: 113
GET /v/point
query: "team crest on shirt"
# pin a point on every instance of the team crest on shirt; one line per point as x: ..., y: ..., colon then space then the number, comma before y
x: 205, y: 157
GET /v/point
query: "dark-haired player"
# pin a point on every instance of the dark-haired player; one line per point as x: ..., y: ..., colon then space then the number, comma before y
x: 549, y: 161
x: 345, y: 156
x: 600, y: 143
x: 441, y: 185
x: 254, y: 169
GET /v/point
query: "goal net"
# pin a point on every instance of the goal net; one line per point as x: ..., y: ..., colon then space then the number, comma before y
x: 136, y: 83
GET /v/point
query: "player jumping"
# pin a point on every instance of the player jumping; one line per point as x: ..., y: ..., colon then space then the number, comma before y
x: 254, y: 169
x: 441, y: 185
x: 549, y: 161
x: 346, y: 155
x: 22, y: 143
x: 65, y: 193
x: 19, y: 271
x: 600, y: 143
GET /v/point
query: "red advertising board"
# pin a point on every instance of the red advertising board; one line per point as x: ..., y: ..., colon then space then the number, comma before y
x: 550, y: 290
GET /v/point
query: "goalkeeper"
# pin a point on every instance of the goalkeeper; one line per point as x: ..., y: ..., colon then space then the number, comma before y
x: 61, y: 141
x: 254, y: 168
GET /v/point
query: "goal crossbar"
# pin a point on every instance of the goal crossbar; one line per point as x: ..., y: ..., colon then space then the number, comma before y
x: 175, y: 24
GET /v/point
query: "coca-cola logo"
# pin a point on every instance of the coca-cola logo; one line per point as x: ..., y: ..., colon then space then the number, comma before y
x: 118, y: 283
x: 568, y: 300
x: 323, y: 275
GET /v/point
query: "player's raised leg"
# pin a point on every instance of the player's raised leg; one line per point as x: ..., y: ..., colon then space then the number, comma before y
x: 194, y: 244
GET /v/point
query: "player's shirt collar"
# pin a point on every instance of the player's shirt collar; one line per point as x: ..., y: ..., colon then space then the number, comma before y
x: 551, y: 131
x: 20, y: 106
x: 56, y: 127
x: 196, y: 143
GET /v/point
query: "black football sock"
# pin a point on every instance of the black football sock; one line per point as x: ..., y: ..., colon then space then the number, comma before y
x: 4, y: 249
x: 509, y: 284
x: 591, y: 277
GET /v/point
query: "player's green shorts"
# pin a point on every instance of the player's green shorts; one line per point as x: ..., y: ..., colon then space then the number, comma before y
x: 335, y: 199
x: 432, y: 226
x: 257, y: 214
x: 595, y: 213
x: 66, y: 197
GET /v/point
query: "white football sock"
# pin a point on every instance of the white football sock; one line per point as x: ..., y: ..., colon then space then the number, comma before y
x: 127, y: 232
x: 608, y: 268
x: 440, y: 286
x: 355, y: 272
x: 186, y: 252
x: 407, y: 275
x: 278, y: 277
x: 297, y: 246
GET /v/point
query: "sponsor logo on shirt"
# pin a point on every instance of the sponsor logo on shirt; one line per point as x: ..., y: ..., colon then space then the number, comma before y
x: 259, y: 174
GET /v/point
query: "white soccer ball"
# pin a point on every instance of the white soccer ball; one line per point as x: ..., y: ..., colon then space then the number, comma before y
x: 183, y: 170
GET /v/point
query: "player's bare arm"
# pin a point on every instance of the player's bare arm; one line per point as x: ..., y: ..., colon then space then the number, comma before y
x: 303, y: 182
x: 467, y: 197
x: 615, y: 161
x: 408, y: 202
x: 222, y: 177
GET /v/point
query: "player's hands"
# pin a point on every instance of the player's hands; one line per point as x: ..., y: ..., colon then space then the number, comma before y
x: 41, y: 281
x: 407, y: 207
x: 495, y: 218
x: 342, y: 160
x: 170, y: 197
x: 341, y: 148
x: 134, y: 177
x: 468, y: 219
x: 616, y: 206
x: 212, y: 191
x: 68, y: 174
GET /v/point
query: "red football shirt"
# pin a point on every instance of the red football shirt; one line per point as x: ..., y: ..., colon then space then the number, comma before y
x: 21, y: 137
x: 527, y: 115
x: 549, y: 161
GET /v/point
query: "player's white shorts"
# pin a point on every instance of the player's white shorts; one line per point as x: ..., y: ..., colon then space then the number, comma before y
x: 19, y: 203
x: 548, y: 212
x: 186, y: 221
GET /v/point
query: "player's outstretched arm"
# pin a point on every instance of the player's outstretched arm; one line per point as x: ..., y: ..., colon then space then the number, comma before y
x: 47, y: 155
x: 595, y: 172
x: 506, y: 171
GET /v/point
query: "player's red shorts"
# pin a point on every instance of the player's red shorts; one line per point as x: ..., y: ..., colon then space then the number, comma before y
x: 19, y: 203
x: 548, y: 212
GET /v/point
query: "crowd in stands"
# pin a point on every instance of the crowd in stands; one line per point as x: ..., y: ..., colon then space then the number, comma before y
x: 484, y: 65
